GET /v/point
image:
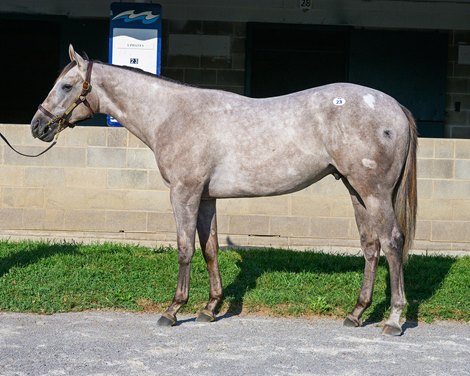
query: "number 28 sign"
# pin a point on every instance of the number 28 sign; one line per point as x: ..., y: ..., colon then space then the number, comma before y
x: 305, y: 4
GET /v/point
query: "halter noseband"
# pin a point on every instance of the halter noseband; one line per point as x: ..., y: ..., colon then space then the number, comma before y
x: 63, y: 120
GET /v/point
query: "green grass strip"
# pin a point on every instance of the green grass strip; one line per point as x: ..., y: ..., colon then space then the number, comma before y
x: 62, y: 277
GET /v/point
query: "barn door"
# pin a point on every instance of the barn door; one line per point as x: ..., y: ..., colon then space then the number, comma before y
x: 411, y: 66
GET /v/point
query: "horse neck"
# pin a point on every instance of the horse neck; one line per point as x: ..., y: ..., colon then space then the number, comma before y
x: 139, y: 102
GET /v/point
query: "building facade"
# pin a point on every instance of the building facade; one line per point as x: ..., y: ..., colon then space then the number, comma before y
x: 416, y: 51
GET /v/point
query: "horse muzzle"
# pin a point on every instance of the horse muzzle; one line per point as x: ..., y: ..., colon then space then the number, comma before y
x: 43, y: 129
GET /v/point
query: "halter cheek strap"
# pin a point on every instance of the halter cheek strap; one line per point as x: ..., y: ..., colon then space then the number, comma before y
x: 63, y: 120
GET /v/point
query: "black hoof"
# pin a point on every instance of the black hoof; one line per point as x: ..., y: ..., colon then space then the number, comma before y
x: 351, y: 322
x: 205, y: 316
x: 392, y: 330
x: 166, y: 320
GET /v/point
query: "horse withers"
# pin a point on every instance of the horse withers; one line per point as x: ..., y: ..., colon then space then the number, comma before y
x: 211, y: 144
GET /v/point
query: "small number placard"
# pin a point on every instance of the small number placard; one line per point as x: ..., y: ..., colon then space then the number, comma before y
x: 338, y: 101
x: 305, y: 4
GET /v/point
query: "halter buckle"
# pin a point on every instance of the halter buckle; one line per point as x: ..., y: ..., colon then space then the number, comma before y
x: 86, y: 86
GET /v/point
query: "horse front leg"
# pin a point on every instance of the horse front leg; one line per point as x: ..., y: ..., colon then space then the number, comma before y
x: 207, y: 231
x: 185, y: 206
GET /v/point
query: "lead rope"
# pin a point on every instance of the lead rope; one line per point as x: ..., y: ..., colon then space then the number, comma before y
x: 29, y: 155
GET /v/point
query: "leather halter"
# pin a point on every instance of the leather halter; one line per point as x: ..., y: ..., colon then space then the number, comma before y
x: 63, y: 120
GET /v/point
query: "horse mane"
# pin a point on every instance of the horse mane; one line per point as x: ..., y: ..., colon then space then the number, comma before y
x: 145, y: 73
x: 72, y: 64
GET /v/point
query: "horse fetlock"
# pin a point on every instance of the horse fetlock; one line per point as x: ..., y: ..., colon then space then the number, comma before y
x: 180, y: 301
x: 216, y: 297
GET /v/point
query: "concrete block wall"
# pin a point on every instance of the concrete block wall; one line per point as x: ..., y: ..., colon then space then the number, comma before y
x: 101, y: 184
x: 207, y: 54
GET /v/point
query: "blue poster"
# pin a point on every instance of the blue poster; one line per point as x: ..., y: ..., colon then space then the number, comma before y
x: 135, y: 37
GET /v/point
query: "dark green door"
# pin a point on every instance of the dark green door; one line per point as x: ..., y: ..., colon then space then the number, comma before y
x: 410, y: 66
x: 286, y: 58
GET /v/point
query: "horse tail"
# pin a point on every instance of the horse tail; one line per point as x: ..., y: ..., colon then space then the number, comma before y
x: 405, y: 197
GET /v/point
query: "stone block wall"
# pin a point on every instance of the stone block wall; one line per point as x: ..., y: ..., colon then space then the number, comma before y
x: 101, y: 184
x: 207, y: 54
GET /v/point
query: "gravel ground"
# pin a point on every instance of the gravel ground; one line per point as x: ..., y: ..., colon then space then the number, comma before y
x: 116, y: 343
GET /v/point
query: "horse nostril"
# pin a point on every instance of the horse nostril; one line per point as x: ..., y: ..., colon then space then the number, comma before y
x: 35, y: 127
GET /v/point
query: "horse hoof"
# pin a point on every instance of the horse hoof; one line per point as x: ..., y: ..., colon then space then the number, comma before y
x: 392, y: 330
x: 205, y: 316
x: 351, y: 322
x: 166, y: 320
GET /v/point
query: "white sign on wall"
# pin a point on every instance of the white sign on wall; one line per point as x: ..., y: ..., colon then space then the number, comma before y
x: 136, y: 48
x: 135, y: 38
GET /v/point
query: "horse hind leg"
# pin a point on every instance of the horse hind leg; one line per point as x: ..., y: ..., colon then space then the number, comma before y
x: 391, y: 241
x: 378, y: 226
x: 207, y: 231
x: 392, y: 244
x: 371, y: 248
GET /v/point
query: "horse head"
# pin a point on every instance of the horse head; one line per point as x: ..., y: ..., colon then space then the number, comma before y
x: 69, y: 101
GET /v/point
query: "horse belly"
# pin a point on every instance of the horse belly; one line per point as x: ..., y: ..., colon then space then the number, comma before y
x: 254, y: 179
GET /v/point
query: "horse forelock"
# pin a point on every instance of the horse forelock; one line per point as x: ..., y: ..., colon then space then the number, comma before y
x: 66, y: 69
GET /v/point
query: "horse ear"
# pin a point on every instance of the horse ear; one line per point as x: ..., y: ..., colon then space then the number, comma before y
x: 81, y: 63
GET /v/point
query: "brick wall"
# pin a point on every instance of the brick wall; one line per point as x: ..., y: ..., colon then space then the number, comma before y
x: 101, y: 184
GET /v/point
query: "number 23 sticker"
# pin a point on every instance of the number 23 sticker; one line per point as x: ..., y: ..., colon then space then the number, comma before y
x: 338, y: 101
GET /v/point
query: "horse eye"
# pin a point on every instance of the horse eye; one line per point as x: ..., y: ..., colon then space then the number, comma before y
x: 66, y: 87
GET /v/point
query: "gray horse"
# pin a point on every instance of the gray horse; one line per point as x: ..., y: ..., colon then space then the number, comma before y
x: 212, y: 144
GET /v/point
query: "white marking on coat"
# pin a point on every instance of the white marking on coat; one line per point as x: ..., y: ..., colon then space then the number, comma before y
x: 369, y: 163
x: 370, y: 100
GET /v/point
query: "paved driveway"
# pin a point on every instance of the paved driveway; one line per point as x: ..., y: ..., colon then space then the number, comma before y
x: 114, y: 343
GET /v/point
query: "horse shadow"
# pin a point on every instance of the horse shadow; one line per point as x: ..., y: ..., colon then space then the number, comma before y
x: 423, y: 276
x: 31, y: 253
x: 256, y: 262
